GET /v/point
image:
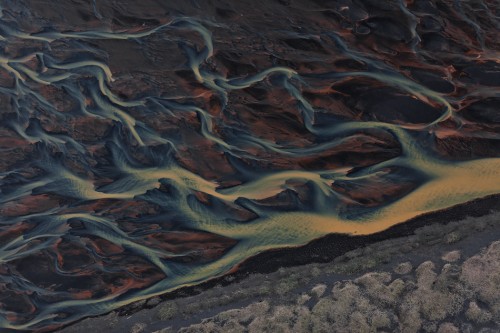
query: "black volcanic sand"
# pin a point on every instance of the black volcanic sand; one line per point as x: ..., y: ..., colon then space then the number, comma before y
x: 423, y: 238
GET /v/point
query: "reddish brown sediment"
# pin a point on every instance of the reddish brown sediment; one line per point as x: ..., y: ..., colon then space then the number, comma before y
x: 377, y: 189
x: 29, y: 205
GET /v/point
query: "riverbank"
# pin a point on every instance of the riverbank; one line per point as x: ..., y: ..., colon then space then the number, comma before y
x: 430, y: 272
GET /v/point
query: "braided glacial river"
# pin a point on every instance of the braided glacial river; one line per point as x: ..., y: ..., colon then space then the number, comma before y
x: 145, y: 149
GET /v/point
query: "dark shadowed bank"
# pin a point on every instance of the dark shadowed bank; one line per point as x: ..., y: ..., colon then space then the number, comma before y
x: 294, y: 277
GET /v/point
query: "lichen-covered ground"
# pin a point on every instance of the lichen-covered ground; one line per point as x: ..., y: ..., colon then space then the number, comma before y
x: 446, y: 296
x: 443, y: 278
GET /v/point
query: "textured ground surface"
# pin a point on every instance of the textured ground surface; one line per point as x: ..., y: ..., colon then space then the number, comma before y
x: 442, y: 279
